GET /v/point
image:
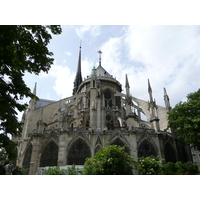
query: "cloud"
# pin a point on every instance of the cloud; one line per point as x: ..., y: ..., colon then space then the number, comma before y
x: 93, y: 31
x: 170, y: 55
x: 68, y: 53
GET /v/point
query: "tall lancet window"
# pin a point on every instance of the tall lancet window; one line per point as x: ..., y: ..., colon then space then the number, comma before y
x: 108, y: 99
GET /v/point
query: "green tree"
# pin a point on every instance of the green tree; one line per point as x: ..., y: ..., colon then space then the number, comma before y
x: 184, y: 119
x: 111, y: 160
x: 22, y: 49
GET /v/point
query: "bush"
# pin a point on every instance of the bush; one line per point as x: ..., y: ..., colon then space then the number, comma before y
x: 57, y: 171
x: 169, y: 169
x: 186, y: 168
x: 148, y: 166
x: 180, y: 168
x: 111, y: 160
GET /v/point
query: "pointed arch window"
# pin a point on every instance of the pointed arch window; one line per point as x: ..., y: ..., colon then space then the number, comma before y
x: 87, y: 125
x: 108, y: 99
x: 109, y: 122
x: 49, y: 155
x: 78, y: 153
x: 146, y: 149
x: 118, y: 142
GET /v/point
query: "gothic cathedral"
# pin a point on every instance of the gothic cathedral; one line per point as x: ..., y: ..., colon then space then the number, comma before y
x: 67, y: 131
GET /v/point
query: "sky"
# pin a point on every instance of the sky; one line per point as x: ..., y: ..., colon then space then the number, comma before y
x: 167, y: 55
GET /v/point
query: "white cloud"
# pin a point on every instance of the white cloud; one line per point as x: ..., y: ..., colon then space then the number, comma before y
x: 94, y: 31
x: 68, y: 53
x: 170, y: 55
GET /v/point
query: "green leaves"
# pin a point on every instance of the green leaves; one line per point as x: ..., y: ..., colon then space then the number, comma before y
x: 22, y: 49
x: 148, y: 166
x: 57, y: 171
x: 111, y: 160
x: 185, y: 119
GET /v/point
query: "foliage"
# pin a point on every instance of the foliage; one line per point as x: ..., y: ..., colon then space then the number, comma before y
x: 23, y: 49
x: 148, y: 165
x: 72, y: 170
x: 20, y: 171
x: 57, y: 171
x: 184, y: 119
x: 54, y: 171
x: 169, y: 169
x: 179, y: 168
x: 111, y: 160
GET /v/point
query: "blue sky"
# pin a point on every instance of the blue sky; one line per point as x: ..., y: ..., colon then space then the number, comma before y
x: 167, y: 55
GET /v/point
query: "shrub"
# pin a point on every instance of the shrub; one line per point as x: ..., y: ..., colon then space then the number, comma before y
x: 148, y: 165
x: 179, y: 168
x: 169, y: 169
x: 57, y: 171
x: 111, y: 160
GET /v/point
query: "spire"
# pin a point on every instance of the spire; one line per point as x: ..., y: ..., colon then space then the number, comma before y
x: 78, y: 78
x: 99, y: 57
x: 150, y: 91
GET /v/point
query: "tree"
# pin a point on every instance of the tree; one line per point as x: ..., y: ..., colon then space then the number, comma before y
x: 23, y: 49
x: 111, y: 160
x: 184, y: 119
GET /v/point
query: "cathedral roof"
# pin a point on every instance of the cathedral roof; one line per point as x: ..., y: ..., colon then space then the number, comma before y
x: 100, y: 71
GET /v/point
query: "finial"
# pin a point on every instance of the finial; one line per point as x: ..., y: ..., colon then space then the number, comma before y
x: 127, y: 83
x: 165, y: 91
x: 149, y: 86
x: 80, y: 43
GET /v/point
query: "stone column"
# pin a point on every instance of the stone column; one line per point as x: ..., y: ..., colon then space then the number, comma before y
x: 34, y: 164
x: 62, y: 149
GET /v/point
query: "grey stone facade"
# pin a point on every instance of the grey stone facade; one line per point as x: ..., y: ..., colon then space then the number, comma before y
x: 68, y: 131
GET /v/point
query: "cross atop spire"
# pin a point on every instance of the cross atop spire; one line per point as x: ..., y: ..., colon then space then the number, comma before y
x: 99, y: 57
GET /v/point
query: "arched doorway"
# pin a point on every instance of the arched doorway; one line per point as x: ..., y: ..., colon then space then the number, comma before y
x: 49, y: 155
x: 78, y: 152
x: 146, y: 149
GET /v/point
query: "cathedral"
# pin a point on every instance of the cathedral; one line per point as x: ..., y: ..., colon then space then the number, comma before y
x: 68, y: 131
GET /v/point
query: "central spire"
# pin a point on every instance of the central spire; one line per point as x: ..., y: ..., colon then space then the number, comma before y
x: 78, y: 78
